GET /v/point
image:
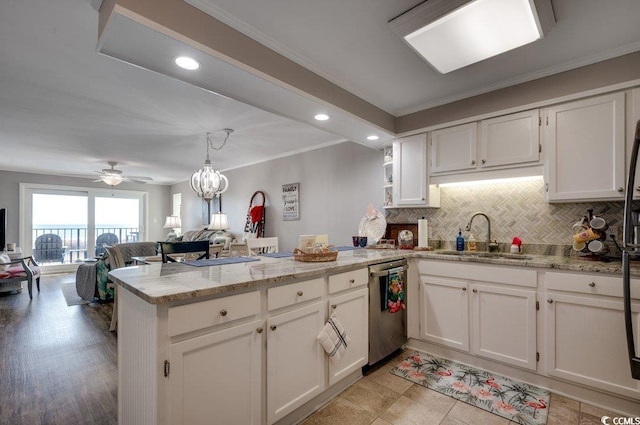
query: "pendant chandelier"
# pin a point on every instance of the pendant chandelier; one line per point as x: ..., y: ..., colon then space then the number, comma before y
x: 207, y: 182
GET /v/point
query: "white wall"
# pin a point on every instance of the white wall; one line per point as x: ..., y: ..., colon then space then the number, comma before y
x: 336, y: 185
x: 159, y: 200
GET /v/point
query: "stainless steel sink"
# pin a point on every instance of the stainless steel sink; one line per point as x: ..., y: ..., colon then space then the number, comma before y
x: 484, y: 254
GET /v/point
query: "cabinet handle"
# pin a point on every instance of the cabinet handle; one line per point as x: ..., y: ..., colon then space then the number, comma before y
x: 223, y: 312
x: 299, y: 293
x: 484, y: 161
x: 621, y: 189
x: 333, y: 306
x: 473, y: 162
x: 352, y: 281
x: 592, y: 284
x: 273, y: 327
x: 550, y: 301
x: 259, y: 330
x: 475, y: 291
x: 638, y: 188
x: 464, y: 289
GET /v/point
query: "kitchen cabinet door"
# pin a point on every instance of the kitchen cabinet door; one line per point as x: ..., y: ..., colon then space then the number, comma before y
x: 295, y: 360
x: 211, y: 375
x: 504, y: 324
x: 352, y: 310
x: 454, y: 148
x: 586, y: 343
x: 510, y: 139
x: 410, y: 179
x: 585, y: 149
x: 444, y: 312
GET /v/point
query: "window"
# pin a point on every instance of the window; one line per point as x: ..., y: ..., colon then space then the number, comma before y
x: 80, y: 220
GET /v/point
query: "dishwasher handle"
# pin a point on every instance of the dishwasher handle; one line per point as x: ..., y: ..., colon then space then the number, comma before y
x: 386, y: 272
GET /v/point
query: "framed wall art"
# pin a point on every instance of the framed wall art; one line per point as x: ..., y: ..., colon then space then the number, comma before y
x: 291, y: 201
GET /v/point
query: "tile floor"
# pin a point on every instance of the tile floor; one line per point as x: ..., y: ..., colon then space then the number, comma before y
x: 381, y: 398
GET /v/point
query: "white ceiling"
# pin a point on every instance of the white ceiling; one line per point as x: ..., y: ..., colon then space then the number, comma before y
x: 66, y: 109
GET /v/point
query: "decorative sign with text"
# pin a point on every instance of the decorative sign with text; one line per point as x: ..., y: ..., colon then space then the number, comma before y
x: 291, y: 201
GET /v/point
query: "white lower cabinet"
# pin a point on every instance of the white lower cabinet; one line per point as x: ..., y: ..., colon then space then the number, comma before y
x: 504, y: 324
x: 585, y: 332
x: 495, y: 319
x: 295, y: 360
x: 213, y: 374
x: 444, y: 317
x: 353, y: 312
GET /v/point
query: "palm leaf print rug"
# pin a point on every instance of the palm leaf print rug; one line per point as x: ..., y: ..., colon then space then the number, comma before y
x: 521, y: 403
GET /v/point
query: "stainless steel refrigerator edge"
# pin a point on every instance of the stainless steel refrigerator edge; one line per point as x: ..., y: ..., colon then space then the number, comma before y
x: 387, y: 331
x: 630, y: 247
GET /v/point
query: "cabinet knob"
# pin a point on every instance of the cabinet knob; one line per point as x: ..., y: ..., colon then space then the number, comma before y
x: 299, y: 293
x: 592, y: 284
x: 550, y: 301
x: 484, y: 161
x: 223, y: 312
x: 464, y: 289
x: 333, y: 306
x: 259, y: 330
x: 473, y: 162
x: 273, y: 327
x: 475, y: 291
x: 621, y: 189
x: 352, y: 281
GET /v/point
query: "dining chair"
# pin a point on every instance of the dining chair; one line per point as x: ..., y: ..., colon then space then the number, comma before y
x: 215, y: 250
x: 169, y: 248
x: 262, y: 245
x: 236, y: 249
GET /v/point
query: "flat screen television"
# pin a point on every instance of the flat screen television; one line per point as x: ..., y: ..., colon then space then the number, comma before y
x: 3, y: 228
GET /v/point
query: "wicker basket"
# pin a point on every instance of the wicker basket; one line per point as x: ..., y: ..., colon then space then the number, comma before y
x: 314, y: 257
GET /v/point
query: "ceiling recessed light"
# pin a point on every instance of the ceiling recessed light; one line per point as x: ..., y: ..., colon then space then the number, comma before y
x: 322, y: 117
x: 373, y: 137
x: 187, y: 63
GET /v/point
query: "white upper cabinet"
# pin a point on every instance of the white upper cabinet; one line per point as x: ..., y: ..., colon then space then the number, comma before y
x: 410, y: 179
x: 502, y: 142
x: 510, y: 139
x: 454, y: 148
x: 585, y: 145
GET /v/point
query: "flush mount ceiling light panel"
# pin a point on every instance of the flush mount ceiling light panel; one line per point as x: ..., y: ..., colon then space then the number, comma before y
x: 451, y: 34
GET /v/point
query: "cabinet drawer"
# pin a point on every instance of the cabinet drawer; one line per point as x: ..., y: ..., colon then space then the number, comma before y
x: 295, y: 293
x: 590, y: 284
x: 191, y: 317
x: 348, y: 280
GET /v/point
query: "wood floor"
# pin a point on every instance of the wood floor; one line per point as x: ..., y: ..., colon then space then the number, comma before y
x: 58, y: 363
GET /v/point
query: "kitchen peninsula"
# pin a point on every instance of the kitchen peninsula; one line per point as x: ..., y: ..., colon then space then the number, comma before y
x: 259, y: 321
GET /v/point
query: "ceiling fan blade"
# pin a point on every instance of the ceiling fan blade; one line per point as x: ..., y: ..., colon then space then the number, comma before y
x: 149, y: 179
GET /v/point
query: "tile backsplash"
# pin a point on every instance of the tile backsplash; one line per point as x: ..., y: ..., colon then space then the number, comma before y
x: 515, y: 208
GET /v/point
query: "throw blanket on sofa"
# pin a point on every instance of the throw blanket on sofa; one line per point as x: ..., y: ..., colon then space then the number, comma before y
x: 91, y: 281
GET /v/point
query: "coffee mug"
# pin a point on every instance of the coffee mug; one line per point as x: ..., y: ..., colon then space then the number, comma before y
x: 579, y: 226
x: 362, y: 241
x: 599, y: 223
x: 597, y: 246
x: 356, y: 240
x: 586, y: 235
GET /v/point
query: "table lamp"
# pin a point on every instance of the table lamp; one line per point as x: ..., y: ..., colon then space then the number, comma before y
x: 172, y: 222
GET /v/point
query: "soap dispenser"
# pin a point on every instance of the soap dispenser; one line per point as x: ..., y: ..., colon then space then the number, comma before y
x: 473, y: 246
x: 460, y: 241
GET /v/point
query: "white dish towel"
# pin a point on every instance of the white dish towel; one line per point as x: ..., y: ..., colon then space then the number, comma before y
x: 334, y: 338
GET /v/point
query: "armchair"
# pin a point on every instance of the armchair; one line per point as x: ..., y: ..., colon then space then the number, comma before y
x: 49, y: 248
x: 17, y: 271
x: 105, y: 239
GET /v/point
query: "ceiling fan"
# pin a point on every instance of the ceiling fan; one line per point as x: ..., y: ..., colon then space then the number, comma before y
x: 114, y: 177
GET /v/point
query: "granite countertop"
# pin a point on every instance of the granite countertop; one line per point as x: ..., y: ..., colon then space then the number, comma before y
x: 162, y: 283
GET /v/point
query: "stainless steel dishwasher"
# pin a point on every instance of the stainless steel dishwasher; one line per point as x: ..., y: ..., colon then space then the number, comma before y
x: 387, y: 329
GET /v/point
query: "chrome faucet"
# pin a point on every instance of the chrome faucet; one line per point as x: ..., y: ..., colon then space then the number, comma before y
x: 491, y: 245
